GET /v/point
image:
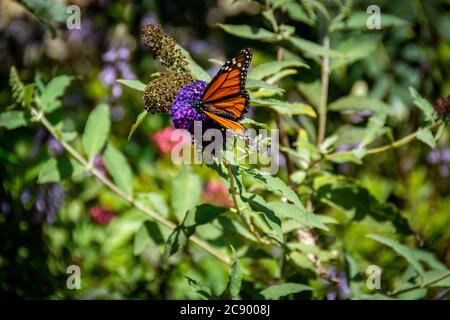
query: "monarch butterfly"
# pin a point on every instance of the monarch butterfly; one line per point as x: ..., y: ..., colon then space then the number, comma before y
x: 225, y: 99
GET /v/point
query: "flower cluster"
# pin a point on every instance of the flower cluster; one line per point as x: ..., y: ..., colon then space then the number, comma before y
x: 116, y: 67
x: 442, y: 106
x: 184, y: 113
x: 160, y: 93
x: 440, y: 158
x: 163, y: 47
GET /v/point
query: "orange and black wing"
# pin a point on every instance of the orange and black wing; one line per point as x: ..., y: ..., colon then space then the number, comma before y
x: 225, y: 100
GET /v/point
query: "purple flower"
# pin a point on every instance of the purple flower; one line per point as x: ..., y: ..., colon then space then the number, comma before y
x: 116, y: 90
x: 108, y: 75
x: 125, y: 71
x: 360, y: 116
x: 445, y: 154
x: 48, y: 202
x: 5, y: 207
x: 110, y: 56
x: 117, y: 113
x: 348, y: 146
x: 433, y: 157
x: 443, y: 170
x: 183, y: 111
x: 54, y: 147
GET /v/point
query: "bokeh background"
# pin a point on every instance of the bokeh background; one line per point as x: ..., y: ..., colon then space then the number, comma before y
x: 46, y: 227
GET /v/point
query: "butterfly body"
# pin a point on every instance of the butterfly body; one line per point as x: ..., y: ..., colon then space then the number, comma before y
x: 225, y: 100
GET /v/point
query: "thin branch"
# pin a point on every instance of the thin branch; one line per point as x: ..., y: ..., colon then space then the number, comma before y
x: 138, y: 205
x: 424, y: 285
x: 325, y: 78
x: 396, y: 144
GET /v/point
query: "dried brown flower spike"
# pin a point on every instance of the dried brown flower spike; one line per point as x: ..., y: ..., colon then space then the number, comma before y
x: 163, y: 47
x: 442, y: 107
x: 160, y: 93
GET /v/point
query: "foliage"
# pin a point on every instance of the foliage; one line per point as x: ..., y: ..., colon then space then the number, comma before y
x: 355, y: 187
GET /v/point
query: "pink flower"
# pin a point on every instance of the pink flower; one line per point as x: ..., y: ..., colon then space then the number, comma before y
x: 101, y: 215
x: 216, y: 192
x: 162, y: 140
x: 99, y: 164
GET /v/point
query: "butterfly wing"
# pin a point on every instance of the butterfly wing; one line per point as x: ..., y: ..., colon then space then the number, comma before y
x: 225, y: 100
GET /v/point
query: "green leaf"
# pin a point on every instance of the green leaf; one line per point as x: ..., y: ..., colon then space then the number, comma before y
x: 359, y: 103
x: 358, y: 21
x: 355, y: 48
x: 250, y: 122
x: 426, y: 136
x: 286, y: 108
x: 201, y: 289
x: 53, y: 91
x: 147, y: 235
x: 272, y: 183
x: 186, y: 192
x: 356, y: 201
x: 422, y: 104
x: 58, y: 169
x: 133, y: 84
x: 195, y: 69
x: 266, y: 69
x: 262, y: 88
x: 96, y: 131
x: 296, y: 213
x: 235, y: 278
x: 156, y: 202
x: 47, y: 9
x: 250, y: 32
x: 402, y: 250
x: 296, y: 12
x: 313, y: 49
x: 118, y: 168
x: 13, y: 119
x: 138, y: 122
x: 282, y: 290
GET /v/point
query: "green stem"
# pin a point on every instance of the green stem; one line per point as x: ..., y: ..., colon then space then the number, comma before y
x: 424, y: 285
x: 169, y: 224
x: 396, y: 144
x: 325, y: 78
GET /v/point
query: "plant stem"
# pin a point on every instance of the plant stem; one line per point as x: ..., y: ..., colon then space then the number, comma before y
x: 396, y: 144
x: 424, y: 285
x: 325, y: 78
x: 138, y: 205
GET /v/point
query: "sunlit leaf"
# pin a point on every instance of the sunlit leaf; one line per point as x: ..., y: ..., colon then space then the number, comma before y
x: 133, y: 84
x: 186, y: 192
x: 426, y: 136
x: 118, y: 168
x: 138, y: 122
x: 53, y: 91
x: 282, y: 290
x: 269, y: 68
x: 96, y: 130
x: 13, y: 119
x: 249, y: 32
x: 58, y: 169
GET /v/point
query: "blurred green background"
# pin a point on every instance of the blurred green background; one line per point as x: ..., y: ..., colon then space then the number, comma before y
x: 45, y: 227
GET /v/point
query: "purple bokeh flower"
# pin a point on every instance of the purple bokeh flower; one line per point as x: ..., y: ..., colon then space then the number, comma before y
x: 360, y: 116
x: 48, y: 202
x: 183, y: 111
x: 54, y: 147
x: 441, y: 159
